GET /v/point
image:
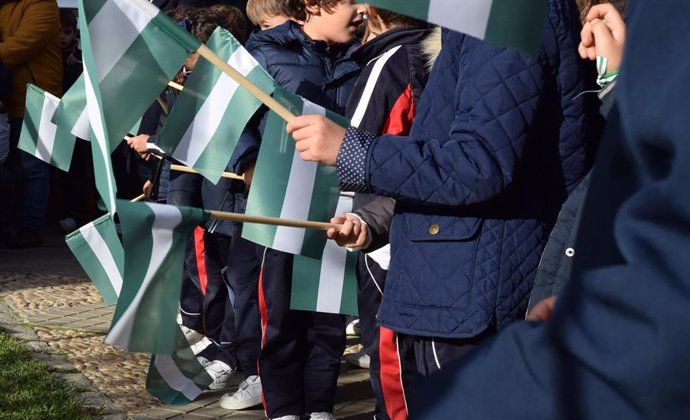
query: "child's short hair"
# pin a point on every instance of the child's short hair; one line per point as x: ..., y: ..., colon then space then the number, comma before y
x: 258, y: 10
x: 299, y: 7
x: 68, y: 19
x: 392, y: 18
x: 231, y: 19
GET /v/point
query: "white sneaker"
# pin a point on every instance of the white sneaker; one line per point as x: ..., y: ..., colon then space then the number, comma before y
x: 321, y: 415
x: 289, y: 417
x: 192, y: 336
x: 248, y: 394
x: 352, y: 328
x: 223, y: 375
x: 200, y: 345
x: 359, y: 359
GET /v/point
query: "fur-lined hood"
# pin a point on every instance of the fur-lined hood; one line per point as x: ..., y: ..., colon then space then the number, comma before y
x: 431, y: 46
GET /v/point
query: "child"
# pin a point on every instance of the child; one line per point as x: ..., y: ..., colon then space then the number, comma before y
x: 499, y: 140
x: 300, y: 354
x: 267, y: 14
x: 205, y: 304
x: 384, y: 101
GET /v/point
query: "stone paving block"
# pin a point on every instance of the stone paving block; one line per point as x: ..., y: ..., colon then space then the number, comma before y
x: 35, y: 345
x: 157, y: 413
x: 56, y: 363
x: 216, y: 411
x: 76, y: 379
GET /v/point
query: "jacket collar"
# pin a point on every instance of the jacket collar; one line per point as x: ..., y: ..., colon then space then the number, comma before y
x: 386, y: 41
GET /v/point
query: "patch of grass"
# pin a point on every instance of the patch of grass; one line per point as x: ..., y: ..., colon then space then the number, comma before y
x: 30, y: 390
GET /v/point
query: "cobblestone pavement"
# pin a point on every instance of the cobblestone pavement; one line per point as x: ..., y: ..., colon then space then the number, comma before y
x: 47, y: 302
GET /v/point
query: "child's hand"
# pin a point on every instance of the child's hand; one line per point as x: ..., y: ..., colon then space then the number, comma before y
x: 148, y: 187
x: 138, y: 144
x: 603, y: 35
x: 317, y: 138
x: 353, y: 234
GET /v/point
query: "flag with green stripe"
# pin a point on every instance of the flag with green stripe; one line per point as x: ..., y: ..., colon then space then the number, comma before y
x: 514, y: 24
x: 71, y: 114
x: 133, y: 50
x: 203, y: 128
x: 285, y: 186
x: 179, y: 378
x: 39, y: 136
x: 155, y: 236
x: 130, y: 51
x: 328, y: 284
x: 99, y: 251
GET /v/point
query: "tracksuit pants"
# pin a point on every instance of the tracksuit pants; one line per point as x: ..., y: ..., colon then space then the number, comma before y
x: 300, y: 354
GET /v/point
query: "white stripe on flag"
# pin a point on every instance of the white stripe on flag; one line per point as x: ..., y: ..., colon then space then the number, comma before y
x: 369, y: 87
x: 46, y: 129
x: 473, y: 18
x: 100, y: 248
x: 172, y: 375
x: 333, y: 263
x: 112, y: 18
x: 297, y: 195
x: 207, y: 120
x: 96, y: 121
x: 166, y: 218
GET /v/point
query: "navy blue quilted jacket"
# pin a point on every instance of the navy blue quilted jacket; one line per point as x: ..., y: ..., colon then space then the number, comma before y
x: 499, y: 140
x: 308, y: 68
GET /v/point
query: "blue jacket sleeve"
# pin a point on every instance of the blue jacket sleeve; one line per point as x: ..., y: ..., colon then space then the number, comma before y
x: 497, y: 93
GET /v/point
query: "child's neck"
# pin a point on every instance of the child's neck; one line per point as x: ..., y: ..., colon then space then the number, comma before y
x: 314, y: 34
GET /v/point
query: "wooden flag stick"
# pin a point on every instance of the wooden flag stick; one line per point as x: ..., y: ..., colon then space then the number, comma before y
x: 245, y: 218
x: 182, y: 168
x: 266, y: 99
x: 138, y: 198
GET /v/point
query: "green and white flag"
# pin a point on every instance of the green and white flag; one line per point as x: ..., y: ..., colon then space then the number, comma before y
x: 203, y: 128
x: 132, y: 51
x: 71, y: 113
x: 99, y: 251
x: 40, y: 137
x: 328, y: 284
x: 285, y: 186
x: 155, y: 236
x: 514, y: 24
x: 177, y: 379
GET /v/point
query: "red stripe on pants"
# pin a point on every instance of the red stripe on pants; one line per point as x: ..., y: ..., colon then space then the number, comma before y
x: 263, y: 311
x: 390, y: 376
x: 200, y: 253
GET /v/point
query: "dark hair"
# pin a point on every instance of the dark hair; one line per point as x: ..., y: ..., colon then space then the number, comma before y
x: 231, y: 19
x: 584, y: 5
x: 392, y: 18
x: 68, y: 19
x: 298, y: 8
x: 257, y: 10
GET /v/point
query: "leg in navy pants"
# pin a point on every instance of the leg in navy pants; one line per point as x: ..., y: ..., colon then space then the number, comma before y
x: 300, y: 354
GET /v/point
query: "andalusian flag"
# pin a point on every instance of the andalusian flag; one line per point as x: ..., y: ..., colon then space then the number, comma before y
x: 155, y: 236
x: 213, y: 109
x: 40, y: 137
x: 132, y: 51
x: 285, y: 186
x: 328, y: 284
x: 71, y: 114
x: 510, y: 23
x: 179, y: 378
x: 99, y: 251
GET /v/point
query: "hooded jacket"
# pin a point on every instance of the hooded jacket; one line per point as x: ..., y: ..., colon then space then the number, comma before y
x: 499, y: 140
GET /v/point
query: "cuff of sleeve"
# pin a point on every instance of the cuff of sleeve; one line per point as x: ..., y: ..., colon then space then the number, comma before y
x: 352, y: 158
